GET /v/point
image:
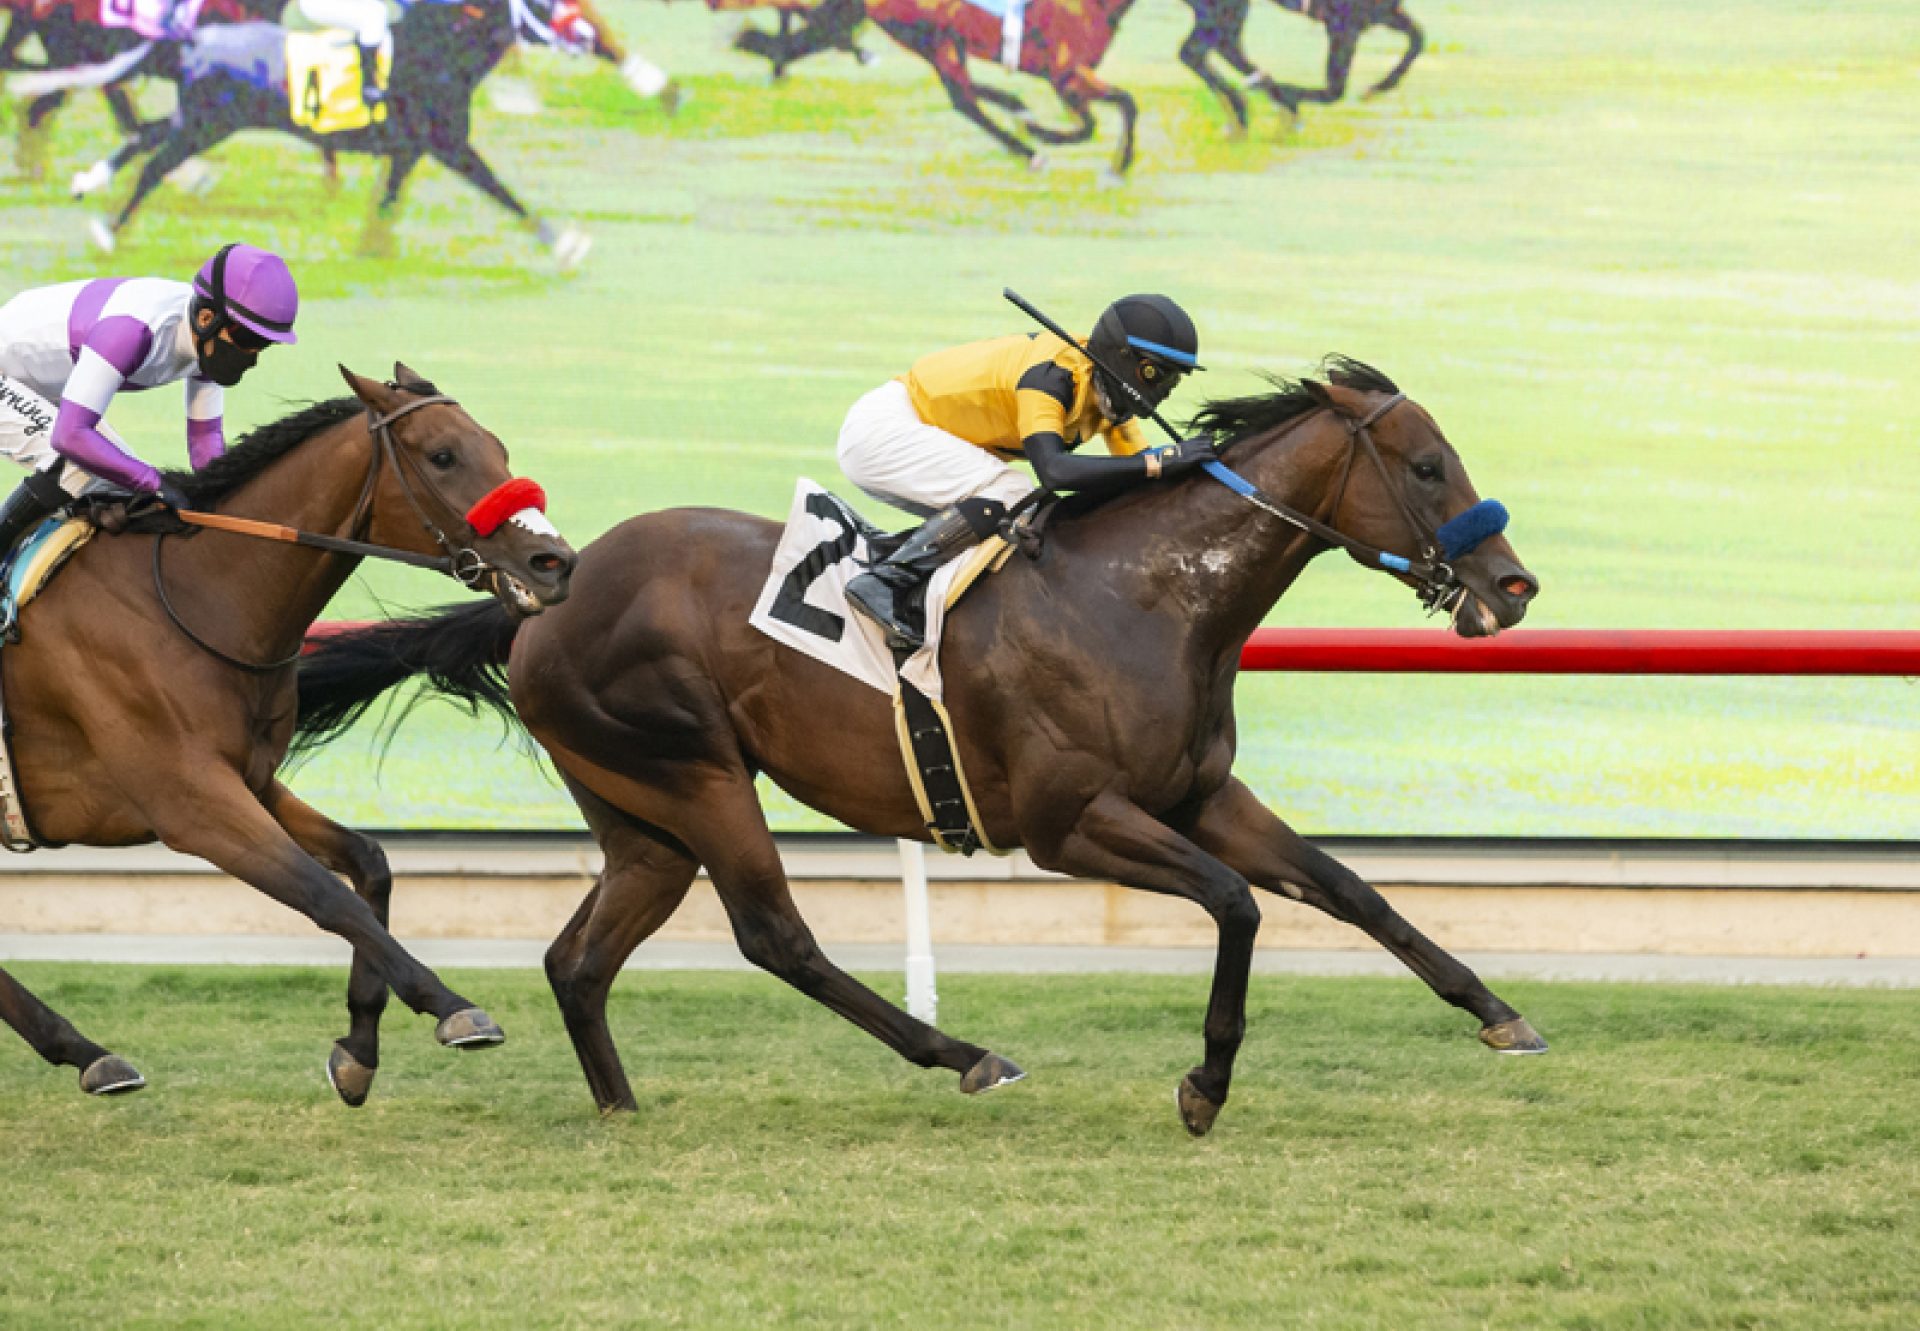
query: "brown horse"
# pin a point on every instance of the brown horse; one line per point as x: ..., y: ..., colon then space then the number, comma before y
x: 1091, y: 691
x: 1062, y: 42
x: 153, y: 698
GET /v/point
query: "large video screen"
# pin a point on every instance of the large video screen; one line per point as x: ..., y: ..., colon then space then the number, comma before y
x: 1652, y: 268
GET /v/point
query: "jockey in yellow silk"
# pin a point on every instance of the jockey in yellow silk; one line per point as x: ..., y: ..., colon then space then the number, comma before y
x: 938, y: 440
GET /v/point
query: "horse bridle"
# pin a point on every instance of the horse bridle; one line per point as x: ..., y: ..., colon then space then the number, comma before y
x: 1433, y: 577
x: 462, y: 563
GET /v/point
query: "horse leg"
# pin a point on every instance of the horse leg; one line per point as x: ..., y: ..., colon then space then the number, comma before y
x: 1077, y: 107
x: 999, y: 97
x: 219, y: 820
x: 354, y: 1060
x: 1342, y: 42
x: 1416, y: 43
x: 183, y: 141
x: 1210, y: 17
x: 646, y: 877
x: 1082, y: 86
x: 144, y: 139
x: 377, y: 240
x: 740, y: 854
x: 120, y: 103
x: 948, y: 56
x: 1243, y: 832
x: 1116, y: 841
x: 54, y: 1039
x: 569, y: 246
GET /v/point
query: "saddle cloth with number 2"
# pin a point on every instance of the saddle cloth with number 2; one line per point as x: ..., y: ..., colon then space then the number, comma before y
x: 804, y: 601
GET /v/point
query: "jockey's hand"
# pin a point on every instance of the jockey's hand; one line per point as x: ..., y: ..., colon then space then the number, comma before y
x: 169, y: 496
x: 1178, y: 459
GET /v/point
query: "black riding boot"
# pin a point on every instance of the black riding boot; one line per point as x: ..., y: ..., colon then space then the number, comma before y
x: 893, y: 592
x: 34, y: 499
x: 371, y: 92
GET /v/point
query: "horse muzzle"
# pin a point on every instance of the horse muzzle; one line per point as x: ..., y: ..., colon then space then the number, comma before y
x: 1492, y: 599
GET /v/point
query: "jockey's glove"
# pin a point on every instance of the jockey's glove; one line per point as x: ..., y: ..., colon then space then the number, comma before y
x: 170, y: 496
x: 1178, y: 459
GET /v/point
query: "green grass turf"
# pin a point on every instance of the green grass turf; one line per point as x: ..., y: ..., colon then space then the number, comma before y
x: 1653, y: 271
x: 1684, y: 1158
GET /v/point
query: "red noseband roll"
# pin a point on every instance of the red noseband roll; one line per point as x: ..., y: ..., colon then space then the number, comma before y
x: 502, y: 502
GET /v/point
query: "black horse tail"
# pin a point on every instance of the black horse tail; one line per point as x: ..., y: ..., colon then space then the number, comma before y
x: 460, y: 649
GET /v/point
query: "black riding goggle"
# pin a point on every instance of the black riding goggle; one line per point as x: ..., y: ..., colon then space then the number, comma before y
x: 1159, y: 378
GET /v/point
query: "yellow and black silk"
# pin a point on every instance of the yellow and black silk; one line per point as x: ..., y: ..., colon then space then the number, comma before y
x: 1004, y: 393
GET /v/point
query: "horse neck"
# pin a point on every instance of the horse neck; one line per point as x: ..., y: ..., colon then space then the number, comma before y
x: 281, y: 589
x: 1203, y: 548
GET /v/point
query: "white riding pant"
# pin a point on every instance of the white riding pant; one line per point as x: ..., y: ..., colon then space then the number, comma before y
x: 26, y: 433
x: 365, y: 19
x: 894, y: 456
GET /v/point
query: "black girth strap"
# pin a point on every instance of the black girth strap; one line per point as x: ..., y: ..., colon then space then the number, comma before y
x: 939, y: 783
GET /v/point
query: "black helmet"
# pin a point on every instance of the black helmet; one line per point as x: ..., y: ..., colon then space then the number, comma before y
x: 1150, y: 341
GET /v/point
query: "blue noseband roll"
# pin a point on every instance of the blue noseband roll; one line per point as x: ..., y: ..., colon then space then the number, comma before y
x: 1462, y: 535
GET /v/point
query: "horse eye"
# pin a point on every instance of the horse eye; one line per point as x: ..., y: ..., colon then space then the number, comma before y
x: 1427, y: 471
x: 442, y: 459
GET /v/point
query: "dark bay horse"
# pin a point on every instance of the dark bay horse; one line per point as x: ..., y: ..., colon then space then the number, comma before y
x: 145, y: 714
x: 1062, y: 43
x: 441, y: 53
x: 1217, y: 27
x: 1091, y: 691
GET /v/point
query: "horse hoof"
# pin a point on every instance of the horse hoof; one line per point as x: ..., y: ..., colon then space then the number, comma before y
x: 1513, y: 1037
x: 571, y: 249
x: 1196, y: 1111
x: 1110, y: 178
x: 91, y: 181
x: 673, y: 97
x: 469, y: 1028
x: 989, y: 1072
x: 350, y: 1078
x: 111, y: 1074
x: 101, y: 235
x: 1037, y: 164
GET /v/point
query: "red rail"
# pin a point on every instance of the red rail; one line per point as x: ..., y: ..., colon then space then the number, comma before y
x: 1589, y: 652
x: 1435, y: 651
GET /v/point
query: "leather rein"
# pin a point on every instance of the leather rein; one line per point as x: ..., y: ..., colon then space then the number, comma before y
x: 462, y: 563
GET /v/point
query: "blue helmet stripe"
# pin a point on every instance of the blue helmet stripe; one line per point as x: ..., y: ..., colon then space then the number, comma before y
x: 1186, y: 358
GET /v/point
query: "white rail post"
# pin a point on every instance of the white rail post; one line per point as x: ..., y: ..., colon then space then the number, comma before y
x: 922, y: 1001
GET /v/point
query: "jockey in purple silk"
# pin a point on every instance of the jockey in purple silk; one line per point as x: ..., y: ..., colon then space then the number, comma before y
x: 66, y: 350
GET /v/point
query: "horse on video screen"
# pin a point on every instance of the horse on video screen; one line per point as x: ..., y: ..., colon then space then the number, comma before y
x: 152, y: 689
x: 806, y: 27
x: 1090, y: 686
x: 79, y: 33
x: 1217, y: 28
x: 235, y: 78
x: 1060, y: 41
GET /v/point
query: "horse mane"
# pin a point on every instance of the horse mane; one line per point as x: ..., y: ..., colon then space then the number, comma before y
x: 1231, y: 419
x: 262, y: 447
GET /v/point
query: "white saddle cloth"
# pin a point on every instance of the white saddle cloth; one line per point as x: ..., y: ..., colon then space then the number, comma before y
x: 804, y: 601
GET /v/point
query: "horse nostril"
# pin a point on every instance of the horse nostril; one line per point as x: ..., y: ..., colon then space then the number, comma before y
x: 1521, y: 587
x: 551, y: 565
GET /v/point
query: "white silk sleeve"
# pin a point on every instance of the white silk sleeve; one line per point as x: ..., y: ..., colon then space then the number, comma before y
x: 206, y: 400
x: 93, y: 382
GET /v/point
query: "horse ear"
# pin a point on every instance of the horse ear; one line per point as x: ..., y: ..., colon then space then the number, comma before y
x: 374, y: 394
x: 1347, y: 402
x: 407, y: 379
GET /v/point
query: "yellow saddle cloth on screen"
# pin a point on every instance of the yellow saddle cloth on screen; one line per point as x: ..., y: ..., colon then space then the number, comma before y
x: 323, y: 81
